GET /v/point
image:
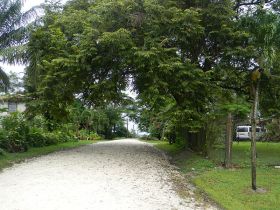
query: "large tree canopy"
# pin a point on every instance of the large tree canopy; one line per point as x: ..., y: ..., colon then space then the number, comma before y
x: 183, y: 58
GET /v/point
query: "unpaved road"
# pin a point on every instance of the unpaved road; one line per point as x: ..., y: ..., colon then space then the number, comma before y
x: 122, y: 174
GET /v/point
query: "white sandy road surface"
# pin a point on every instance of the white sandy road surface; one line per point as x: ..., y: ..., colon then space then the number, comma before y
x: 122, y: 174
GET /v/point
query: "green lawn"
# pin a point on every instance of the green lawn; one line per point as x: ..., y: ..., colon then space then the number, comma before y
x: 267, y: 154
x: 230, y: 189
x: 9, y: 159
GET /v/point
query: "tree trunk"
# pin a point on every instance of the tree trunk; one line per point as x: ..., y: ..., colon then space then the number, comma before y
x: 127, y: 128
x: 197, y: 141
x: 254, y: 138
x: 228, y: 146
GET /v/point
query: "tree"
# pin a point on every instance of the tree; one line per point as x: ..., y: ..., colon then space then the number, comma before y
x: 170, y: 54
x: 182, y: 59
x: 13, y: 34
x: 264, y: 27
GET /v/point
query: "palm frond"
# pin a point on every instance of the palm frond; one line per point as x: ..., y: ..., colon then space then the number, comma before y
x: 4, y: 80
x: 14, y: 30
x: 14, y: 54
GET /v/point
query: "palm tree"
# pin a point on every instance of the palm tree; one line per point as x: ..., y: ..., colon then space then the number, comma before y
x: 13, y: 34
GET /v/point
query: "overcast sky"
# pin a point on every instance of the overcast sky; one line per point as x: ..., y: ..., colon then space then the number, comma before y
x: 20, y: 68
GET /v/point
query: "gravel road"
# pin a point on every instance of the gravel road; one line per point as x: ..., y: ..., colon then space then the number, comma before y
x: 120, y: 174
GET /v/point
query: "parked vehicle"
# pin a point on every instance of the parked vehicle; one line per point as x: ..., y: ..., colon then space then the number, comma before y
x: 244, y: 132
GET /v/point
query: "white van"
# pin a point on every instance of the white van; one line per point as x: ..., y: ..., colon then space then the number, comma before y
x: 244, y: 132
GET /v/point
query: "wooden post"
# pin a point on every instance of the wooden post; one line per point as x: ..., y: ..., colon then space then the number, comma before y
x: 228, y: 150
x: 127, y: 127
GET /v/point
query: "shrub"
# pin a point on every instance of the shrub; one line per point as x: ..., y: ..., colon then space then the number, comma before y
x: 66, y: 132
x: 1, y: 151
x: 88, y: 135
x: 61, y: 136
x: 51, y: 139
x: 17, y: 133
x: 14, y: 142
x: 94, y: 136
x: 36, y: 137
x: 14, y: 132
x: 39, y: 122
x: 273, y: 131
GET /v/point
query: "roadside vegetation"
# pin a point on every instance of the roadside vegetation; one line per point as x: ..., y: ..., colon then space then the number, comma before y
x: 26, y: 135
x: 230, y: 189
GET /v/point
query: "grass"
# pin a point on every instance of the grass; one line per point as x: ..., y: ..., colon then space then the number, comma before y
x: 231, y: 189
x: 267, y: 154
x: 8, y: 159
x: 172, y: 149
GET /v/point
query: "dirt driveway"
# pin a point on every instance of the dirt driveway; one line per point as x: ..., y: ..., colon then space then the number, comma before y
x: 121, y: 174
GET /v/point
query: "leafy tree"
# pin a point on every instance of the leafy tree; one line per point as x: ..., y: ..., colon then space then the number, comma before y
x: 182, y: 58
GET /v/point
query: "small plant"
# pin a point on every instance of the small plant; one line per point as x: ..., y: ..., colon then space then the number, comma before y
x: 273, y: 131
x: 36, y: 137
x: 13, y: 133
x: 88, y: 135
x: 1, y: 152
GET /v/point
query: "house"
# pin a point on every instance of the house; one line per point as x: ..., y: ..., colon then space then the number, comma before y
x: 12, y: 103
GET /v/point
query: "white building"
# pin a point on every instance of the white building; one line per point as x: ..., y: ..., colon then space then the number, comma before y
x: 11, y: 103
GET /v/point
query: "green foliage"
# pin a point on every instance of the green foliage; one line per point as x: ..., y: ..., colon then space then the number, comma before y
x: 18, y: 133
x: 107, y: 121
x: 13, y: 35
x: 273, y: 131
x: 170, y: 149
x: 13, y: 141
x: 88, y: 135
x: 13, y: 133
x: 1, y: 151
x: 36, y: 137
x: 187, y: 62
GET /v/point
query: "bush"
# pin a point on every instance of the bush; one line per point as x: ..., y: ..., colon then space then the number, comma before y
x: 13, y: 141
x: 61, y: 136
x: 51, y: 139
x: 39, y: 122
x: 36, y: 137
x: 88, y: 135
x: 66, y: 132
x: 17, y: 133
x: 94, y: 136
x: 273, y: 131
x: 1, y: 151
x: 14, y: 132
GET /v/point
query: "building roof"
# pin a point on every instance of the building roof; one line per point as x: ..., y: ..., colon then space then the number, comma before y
x: 13, y: 98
